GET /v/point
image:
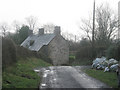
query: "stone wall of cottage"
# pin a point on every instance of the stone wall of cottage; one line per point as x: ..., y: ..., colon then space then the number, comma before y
x: 58, y: 50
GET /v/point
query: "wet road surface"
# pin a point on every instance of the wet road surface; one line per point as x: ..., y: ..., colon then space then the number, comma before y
x: 68, y: 77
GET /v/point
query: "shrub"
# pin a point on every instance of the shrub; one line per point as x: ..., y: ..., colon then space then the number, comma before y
x: 8, y: 52
x: 113, y: 52
x: 84, y: 52
x: 11, y: 52
x: 71, y: 59
x: 24, y: 52
x: 100, y: 51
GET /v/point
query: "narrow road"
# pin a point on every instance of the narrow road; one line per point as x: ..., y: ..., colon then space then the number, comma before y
x: 68, y: 77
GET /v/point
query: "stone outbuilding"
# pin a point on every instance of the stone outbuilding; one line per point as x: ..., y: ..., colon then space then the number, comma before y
x: 53, y: 45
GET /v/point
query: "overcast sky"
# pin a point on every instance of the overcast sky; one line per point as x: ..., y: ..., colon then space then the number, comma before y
x: 65, y: 13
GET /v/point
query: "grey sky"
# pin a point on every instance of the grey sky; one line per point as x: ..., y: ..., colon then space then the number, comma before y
x: 65, y: 13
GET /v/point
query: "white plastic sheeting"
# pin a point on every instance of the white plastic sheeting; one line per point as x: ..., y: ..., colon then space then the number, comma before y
x: 112, y: 61
x: 114, y: 67
x: 106, y: 69
x: 107, y: 65
x: 99, y: 63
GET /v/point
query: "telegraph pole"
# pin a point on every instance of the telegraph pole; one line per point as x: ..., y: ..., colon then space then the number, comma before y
x: 119, y: 21
x: 93, y: 32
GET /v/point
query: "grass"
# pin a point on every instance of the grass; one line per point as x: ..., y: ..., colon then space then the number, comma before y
x: 72, y: 57
x: 110, y: 78
x: 21, y: 75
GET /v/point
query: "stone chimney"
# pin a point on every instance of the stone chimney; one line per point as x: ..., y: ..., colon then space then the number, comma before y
x: 41, y: 31
x: 57, y: 30
x: 30, y: 32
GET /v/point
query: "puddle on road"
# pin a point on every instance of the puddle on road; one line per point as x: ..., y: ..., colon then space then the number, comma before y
x: 54, y: 79
x: 43, y: 86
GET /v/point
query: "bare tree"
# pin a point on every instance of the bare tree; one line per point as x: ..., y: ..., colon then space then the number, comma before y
x: 105, y: 25
x: 49, y: 28
x: 4, y: 29
x: 32, y: 21
x: 86, y: 26
x: 16, y: 26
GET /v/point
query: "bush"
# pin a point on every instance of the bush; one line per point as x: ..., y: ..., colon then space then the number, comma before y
x: 11, y: 52
x: 24, y: 52
x: 100, y: 51
x: 8, y: 52
x: 84, y: 52
x: 71, y: 59
x: 113, y: 52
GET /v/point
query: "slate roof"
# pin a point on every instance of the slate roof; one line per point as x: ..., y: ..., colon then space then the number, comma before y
x: 39, y: 41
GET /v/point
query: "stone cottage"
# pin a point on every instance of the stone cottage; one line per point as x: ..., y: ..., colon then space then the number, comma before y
x: 53, y: 45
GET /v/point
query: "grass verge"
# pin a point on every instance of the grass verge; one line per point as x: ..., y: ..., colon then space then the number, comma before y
x: 21, y: 75
x: 110, y: 78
